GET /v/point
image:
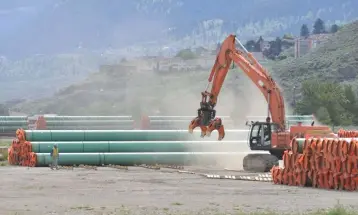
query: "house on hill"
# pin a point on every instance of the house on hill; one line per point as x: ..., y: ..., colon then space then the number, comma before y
x: 304, y: 44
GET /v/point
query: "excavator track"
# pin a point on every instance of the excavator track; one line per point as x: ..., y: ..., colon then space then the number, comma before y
x: 259, y: 162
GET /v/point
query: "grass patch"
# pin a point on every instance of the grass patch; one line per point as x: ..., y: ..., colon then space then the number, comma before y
x: 3, y: 158
x: 338, y: 210
x: 177, y: 203
x: 84, y: 207
x: 5, y: 142
x: 4, y: 163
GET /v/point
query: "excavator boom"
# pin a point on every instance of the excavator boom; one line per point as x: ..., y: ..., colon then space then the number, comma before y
x: 227, y: 55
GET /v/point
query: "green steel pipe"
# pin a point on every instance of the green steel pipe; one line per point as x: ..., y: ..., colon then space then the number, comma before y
x: 180, y: 117
x: 119, y: 135
x: 300, y: 142
x: 89, y: 127
x: 11, y: 128
x: 88, y: 122
x: 176, y: 125
x: 13, y: 123
x: 137, y: 146
x: 13, y: 118
x: 130, y: 159
x: 184, y: 121
x: 56, y: 118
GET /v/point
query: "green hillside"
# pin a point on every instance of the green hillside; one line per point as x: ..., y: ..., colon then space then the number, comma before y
x: 335, y: 60
x: 325, y: 79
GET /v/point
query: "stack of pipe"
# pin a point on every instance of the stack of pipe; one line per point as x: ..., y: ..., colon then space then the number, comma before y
x: 85, y: 122
x: 328, y: 163
x: 180, y: 122
x: 9, y: 124
x: 118, y: 122
x: 119, y: 147
x: 345, y: 133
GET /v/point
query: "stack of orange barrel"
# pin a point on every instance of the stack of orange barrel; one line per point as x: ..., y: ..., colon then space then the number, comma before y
x: 20, y: 151
x: 349, y: 134
x: 328, y: 163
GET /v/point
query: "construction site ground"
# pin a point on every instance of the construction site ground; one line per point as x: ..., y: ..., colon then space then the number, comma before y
x: 139, y: 190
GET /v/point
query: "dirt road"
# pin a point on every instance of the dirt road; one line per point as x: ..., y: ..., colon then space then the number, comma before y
x: 145, y: 191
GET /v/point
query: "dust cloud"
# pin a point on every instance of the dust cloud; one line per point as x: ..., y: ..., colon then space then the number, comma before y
x: 241, y: 103
x: 179, y: 93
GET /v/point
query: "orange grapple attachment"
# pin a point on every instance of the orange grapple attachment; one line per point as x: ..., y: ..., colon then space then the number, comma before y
x: 196, y: 123
x: 216, y: 124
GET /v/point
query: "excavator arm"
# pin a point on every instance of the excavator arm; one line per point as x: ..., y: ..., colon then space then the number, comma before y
x: 206, y: 119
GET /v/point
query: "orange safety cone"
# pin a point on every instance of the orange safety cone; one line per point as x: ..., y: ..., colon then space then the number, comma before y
x: 286, y: 159
x: 319, y: 162
x: 330, y: 180
x: 344, y: 148
x: 319, y: 147
x: 329, y: 146
x: 352, y: 164
x: 345, y: 165
x: 300, y: 178
x: 312, y: 162
x: 280, y: 176
x: 293, y: 158
x: 20, y: 134
x: 313, y: 145
x: 290, y: 176
x: 307, y: 146
x: 314, y: 179
x: 306, y: 162
x: 33, y: 159
x: 345, y: 180
x: 352, y: 148
x: 336, y: 179
x: 324, y: 179
x: 294, y: 146
x: 324, y: 146
x: 354, y: 180
x: 285, y: 176
x: 335, y: 145
x: 353, y: 184
x: 299, y: 162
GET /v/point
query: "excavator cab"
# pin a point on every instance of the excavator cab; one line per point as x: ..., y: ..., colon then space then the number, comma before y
x: 260, y: 135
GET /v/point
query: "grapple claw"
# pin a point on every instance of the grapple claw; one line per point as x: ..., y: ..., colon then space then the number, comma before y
x: 216, y: 124
x: 203, y: 131
x: 206, y: 119
x: 193, y: 124
x: 197, y: 123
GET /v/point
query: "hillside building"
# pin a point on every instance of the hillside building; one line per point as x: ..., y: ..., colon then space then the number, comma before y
x: 304, y: 45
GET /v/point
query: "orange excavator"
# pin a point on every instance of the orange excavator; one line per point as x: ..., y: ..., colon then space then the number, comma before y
x: 269, y: 135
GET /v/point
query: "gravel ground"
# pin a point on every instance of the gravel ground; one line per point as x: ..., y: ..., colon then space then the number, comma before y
x: 146, y: 191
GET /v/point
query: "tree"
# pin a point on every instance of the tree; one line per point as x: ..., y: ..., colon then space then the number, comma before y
x: 351, y: 104
x: 258, y: 44
x: 318, y: 27
x: 288, y: 37
x: 332, y: 103
x: 186, y: 54
x: 274, y: 50
x: 250, y: 45
x: 305, y: 32
x: 334, y: 28
x: 4, y: 111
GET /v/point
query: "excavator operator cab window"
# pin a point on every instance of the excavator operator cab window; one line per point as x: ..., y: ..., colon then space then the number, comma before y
x: 260, y: 136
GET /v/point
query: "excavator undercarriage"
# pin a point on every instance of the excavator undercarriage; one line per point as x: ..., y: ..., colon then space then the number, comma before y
x: 259, y: 162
